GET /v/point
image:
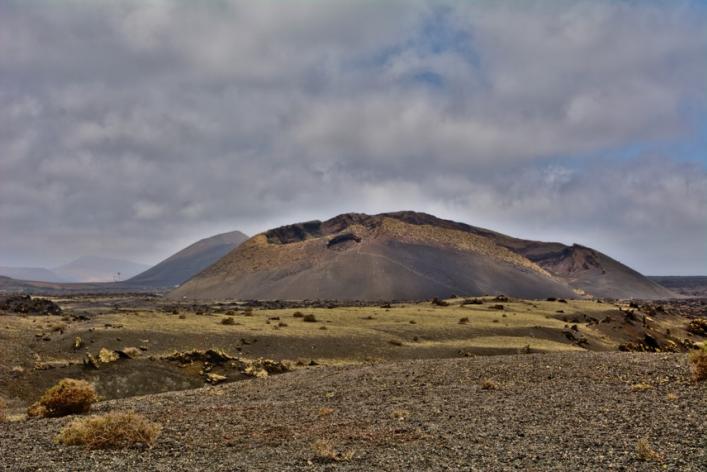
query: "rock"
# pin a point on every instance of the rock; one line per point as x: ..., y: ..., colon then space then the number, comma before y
x: 90, y: 362
x: 255, y: 371
x: 215, y: 379
x: 438, y: 302
x: 28, y: 305
x: 129, y: 353
x: 211, y: 355
x: 650, y: 342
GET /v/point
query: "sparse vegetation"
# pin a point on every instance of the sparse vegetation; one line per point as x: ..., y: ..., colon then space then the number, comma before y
x: 3, y: 405
x: 110, y: 431
x: 326, y: 411
x: 228, y: 321
x: 698, y: 364
x: 326, y: 452
x: 646, y: 452
x: 400, y: 415
x: 309, y: 318
x: 464, y: 320
x: 67, y: 397
x: 641, y: 387
x: 488, y: 384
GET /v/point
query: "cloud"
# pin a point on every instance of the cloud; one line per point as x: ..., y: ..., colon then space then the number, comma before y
x: 132, y: 127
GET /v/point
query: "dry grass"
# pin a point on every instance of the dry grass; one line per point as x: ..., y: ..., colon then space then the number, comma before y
x: 110, y: 431
x: 67, y: 397
x: 646, y: 452
x: 326, y: 452
x: 3, y: 405
x: 672, y: 397
x: 400, y: 415
x: 641, y: 387
x: 698, y: 364
x: 326, y: 411
x: 488, y: 384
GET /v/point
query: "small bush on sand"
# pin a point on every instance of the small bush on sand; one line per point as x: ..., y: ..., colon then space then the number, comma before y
x: 488, y: 384
x: 68, y: 397
x: 646, y: 452
x: 110, y: 431
x: 698, y: 364
x: 228, y: 321
x: 325, y: 452
x: 309, y: 318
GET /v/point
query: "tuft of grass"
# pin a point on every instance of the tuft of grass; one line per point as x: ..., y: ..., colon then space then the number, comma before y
x: 672, y: 397
x: 326, y: 452
x: 646, y: 452
x: 698, y: 364
x: 488, y: 384
x: 309, y: 318
x: 326, y: 411
x: 641, y: 387
x: 464, y: 320
x: 228, y: 321
x: 110, y: 431
x: 3, y: 405
x: 67, y: 397
x: 400, y: 415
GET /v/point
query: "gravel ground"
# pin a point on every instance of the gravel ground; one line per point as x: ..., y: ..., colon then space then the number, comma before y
x: 565, y: 411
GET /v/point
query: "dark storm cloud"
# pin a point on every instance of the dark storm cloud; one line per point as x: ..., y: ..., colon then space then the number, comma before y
x: 131, y: 128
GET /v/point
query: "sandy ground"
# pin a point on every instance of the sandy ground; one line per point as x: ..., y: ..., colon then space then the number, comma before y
x: 556, y: 411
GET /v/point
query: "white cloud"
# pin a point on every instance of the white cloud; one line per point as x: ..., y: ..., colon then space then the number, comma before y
x: 240, y: 114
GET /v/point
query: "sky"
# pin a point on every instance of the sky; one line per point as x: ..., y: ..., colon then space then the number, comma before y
x: 130, y: 129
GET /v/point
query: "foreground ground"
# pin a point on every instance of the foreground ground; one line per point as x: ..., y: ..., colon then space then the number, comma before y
x: 556, y: 411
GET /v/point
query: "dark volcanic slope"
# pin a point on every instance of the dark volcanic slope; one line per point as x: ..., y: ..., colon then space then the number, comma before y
x: 409, y: 255
x: 188, y: 262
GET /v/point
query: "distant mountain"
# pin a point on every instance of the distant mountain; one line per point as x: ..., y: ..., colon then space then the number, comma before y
x: 188, y: 262
x: 689, y: 285
x: 98, y: 269
x: 409, y: 255
x: 31, y: 273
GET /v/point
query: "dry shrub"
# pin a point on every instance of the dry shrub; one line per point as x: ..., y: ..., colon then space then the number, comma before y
x: 672, y: 397
x: 646, y: 452
x: 326, y: 452
x: 464, y: 320
x: 488, y: 384
x: 400, y: 415
x: 3, y: 405
x: 68, y: 397
x: 326, y: 411
x: 110, y: 431
x: 228, y: 321
x: 641, y: 387
x: 309, y: 318
x: 698, y: 364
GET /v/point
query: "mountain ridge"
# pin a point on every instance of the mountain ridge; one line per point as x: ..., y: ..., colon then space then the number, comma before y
x: 409, y: 255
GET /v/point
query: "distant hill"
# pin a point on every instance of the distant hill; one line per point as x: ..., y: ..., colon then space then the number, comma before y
x: 188, y: 262
x: 693, y: 286
x: 409, y: 255
x: 98, y: 269
x: 31, y: 273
